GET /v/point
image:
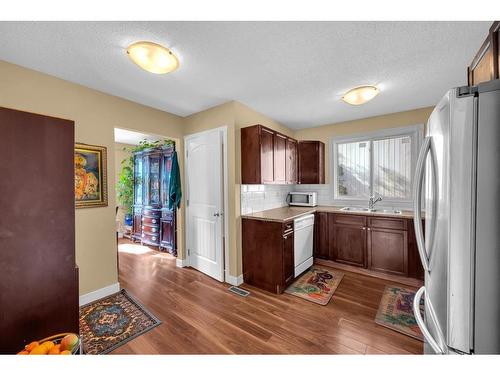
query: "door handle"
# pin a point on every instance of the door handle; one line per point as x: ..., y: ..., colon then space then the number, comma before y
x: 421, y: 323
x: 417, y: 203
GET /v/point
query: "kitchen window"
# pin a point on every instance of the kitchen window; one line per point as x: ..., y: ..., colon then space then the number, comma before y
x: 380, y: 163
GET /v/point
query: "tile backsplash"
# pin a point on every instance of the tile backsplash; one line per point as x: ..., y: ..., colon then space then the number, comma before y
x: 255, y: 198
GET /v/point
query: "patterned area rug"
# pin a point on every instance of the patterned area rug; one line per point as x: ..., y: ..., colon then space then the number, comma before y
x: 110, y: 322
x: 396, y: 311
x: 316, y: 285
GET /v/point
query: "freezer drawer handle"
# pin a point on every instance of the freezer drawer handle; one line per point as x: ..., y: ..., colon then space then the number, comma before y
x: 421, y: 323
x: 417, y: 204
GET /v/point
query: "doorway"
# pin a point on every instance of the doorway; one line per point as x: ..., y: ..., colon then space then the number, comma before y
x: 206, y: 201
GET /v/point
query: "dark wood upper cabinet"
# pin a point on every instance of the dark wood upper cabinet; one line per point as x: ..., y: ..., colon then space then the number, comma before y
x: 291, y: 161
x: 267, y: 157
x: 38, y: 274
x: 486, y: 64
x: 311, y: 162
x: 279, y: 158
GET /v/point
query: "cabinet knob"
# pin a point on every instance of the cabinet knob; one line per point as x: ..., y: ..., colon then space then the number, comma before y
x: 153, y: 221
x: 153, y: 238
x: 364, y: 228
x: 369, y: 228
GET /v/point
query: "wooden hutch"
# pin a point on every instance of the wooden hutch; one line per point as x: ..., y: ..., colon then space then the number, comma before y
x: 154, y: 224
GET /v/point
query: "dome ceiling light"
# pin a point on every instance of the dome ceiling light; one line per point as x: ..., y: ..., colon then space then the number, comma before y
x: 153, y: 57
x: 360, y: 95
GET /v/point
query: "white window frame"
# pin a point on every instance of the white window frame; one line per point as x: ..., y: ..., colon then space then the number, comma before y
x: 415, y: 132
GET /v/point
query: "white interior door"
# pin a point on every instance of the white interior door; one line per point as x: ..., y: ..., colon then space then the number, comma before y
x: 204, y: 182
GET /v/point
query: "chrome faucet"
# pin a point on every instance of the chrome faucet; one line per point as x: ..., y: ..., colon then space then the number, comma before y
x: 372, y: 201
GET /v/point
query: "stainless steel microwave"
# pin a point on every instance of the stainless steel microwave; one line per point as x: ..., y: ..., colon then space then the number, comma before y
x: 302, y: 198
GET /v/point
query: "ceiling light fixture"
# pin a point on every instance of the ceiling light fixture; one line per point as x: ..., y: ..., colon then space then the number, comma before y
x: 153, y: 57
x: 360, y: 95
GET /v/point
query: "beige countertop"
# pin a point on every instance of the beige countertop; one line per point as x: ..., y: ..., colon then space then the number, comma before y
x: 283, y: 214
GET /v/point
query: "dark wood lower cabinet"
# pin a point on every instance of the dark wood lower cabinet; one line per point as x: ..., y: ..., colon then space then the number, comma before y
x: 388, y: 250
x: 268, y: 260
x: 321, y: 245
x: 348, y: 244
x: 375, y: 243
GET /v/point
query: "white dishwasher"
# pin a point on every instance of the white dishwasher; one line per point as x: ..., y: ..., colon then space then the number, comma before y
x: 303, y: 243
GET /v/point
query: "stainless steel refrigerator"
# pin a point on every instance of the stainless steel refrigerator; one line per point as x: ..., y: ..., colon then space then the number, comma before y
x: 457, y: 185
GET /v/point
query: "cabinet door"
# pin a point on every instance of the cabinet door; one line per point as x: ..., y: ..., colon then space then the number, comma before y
x: 279, y: 159
x: 388, y: 250
x: 291, y: 161
x: 154, y: 181
x: 311, y: 162
x: 349, y: 244
x: 321, y: 247
x: 167, y: 238
x: 288, y: 259
x: 138, y: 180
x: 266, y: 156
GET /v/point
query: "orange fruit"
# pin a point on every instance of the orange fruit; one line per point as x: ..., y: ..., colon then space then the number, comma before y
x: 65, y: 352
x: 40, y: 349
x: 54, y: 350
x: 31, y: 346
x: 47, y: 344
x: 23, y: 352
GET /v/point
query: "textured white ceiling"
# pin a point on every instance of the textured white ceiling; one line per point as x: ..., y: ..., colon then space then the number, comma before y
x: 293, y: 72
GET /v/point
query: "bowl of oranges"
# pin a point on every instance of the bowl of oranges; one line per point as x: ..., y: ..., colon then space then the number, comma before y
x: 61, y: 344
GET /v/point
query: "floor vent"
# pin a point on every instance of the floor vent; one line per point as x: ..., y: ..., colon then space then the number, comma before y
x: 239, y: 291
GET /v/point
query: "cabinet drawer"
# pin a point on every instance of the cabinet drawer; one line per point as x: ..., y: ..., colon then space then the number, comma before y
x: 151, y: 213
x: 387, y: 223
x: 150, y: 220
x: 152, y: 229
x: 151, y: 238
x: 349, y: 219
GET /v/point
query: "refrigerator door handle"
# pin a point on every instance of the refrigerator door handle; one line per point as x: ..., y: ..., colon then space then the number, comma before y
x: 420, y: 321
x: 417, y: 203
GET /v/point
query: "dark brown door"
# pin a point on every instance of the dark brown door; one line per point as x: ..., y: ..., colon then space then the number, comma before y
x: 347, y: 239
x: 279, y: 159
x: 311, y: 162
x: 321, y: 247
x: 388, y: 250
x: 38, y: 277
x: 291, y: 161
x: 266, y: 156
x: 288, y: 259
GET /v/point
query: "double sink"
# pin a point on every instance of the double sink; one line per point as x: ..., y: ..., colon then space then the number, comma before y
x: 362, y: 209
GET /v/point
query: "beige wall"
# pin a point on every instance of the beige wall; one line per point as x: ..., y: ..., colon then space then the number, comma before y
x: 95, y: 115
x: 393, y: 120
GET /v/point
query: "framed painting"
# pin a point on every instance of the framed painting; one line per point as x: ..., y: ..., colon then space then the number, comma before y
x: 90, y: 176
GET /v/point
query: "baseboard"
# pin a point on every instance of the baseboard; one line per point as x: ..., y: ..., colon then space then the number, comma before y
x: 99, y: 293
x: 181, y: 263
x: 234, y: 280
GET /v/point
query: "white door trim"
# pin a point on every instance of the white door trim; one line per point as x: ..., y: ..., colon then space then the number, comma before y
x: 223, y: 131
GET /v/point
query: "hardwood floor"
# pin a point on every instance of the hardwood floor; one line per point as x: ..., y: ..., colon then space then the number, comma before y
x: 201, y: 316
